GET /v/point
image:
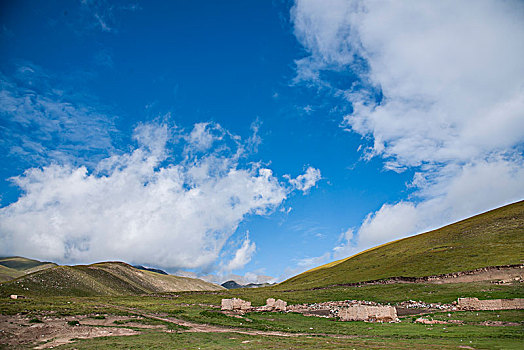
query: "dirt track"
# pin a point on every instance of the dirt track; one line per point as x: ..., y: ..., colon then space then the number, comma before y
x: 18, y: 330
x: 206, y: 328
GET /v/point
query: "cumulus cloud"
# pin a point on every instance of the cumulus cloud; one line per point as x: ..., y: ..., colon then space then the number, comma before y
x: 307, y: 180
x: 141, y: 206
x: 437, y: 86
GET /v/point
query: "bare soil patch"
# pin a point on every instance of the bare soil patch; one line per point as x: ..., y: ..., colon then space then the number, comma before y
x: 53, y: 331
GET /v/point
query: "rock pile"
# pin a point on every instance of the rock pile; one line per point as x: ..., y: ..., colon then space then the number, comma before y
x: 412, y: 304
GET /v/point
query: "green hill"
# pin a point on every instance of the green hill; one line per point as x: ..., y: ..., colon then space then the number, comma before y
x: 21, y: 264
x: 489, y: 239
x: 108, y: 278
x: 7, y: 273
x: 15, y: 266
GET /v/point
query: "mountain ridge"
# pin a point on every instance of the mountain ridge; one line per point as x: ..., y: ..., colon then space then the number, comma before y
x: 102, y: 278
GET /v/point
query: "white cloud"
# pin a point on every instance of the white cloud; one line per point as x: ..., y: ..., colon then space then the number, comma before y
x: 307, y: 180
x: 203, y: 136
x: 140, y: 207
x: 242, y: 256
x: 438, y: 88
x: 305, y: 264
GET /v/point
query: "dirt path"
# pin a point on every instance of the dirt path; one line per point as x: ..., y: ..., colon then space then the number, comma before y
x: 207, y: 328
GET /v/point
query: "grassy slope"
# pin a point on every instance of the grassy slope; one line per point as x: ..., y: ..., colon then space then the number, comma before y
x: 489, y: 239
x: 15, y: 266
x: 7, y: 273
x: 111, y: 278
x: 21, y: 264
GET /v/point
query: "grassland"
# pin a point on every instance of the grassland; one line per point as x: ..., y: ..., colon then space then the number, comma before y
x: 301, y: 332
x: 489, y: 239
x: 157, y: 340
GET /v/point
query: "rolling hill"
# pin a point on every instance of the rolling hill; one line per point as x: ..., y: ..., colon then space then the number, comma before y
x: 15, y: 266
x: 493, y: 238
x: 107, y: 278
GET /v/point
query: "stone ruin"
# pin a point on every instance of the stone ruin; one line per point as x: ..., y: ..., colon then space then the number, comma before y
x: 273, y: 305
x: 235, y: 304
x: 365, y: 310
x: 368, y: 313
x: 493, y: 304
x: 358, y: 310
x: 15, y: 296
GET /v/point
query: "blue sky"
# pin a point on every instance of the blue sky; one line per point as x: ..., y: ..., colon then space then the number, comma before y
x: 253, y: 138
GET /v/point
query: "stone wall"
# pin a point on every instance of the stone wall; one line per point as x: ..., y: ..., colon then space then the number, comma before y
x: 368, y: 313
x: 235, y: 304
x: 273, y: 305
x: 493, y: 304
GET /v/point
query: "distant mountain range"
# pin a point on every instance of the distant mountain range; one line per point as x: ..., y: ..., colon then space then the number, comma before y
x: 235, y: 285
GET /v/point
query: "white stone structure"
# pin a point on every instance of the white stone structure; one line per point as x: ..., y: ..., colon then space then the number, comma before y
x: 368, y: 313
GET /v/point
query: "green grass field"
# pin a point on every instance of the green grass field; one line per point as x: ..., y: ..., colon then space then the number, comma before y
x: 310, y: 332
x: 158, y: 340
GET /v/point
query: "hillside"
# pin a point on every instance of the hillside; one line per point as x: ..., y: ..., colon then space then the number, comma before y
x: 15, y: 266
x: 489, y: 239
x: 107, y: 278
x: 7, y: 273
